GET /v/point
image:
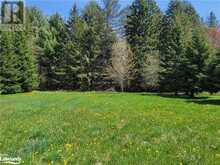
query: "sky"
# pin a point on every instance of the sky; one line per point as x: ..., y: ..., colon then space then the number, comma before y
x: 203, y: 7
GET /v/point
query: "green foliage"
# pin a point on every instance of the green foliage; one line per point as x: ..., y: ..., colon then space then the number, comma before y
x: 43, y: 42
x: 73, y: 48
x: 74, y: 54
x: 172, y: 50
x: 176, y: 7
x: 96, y: 41
x: 53, y: 59
x: 26, y: 61
x: 46, y: 43
x: 91, y: 52
x: 183, y: 49
x: 212, y: 20
x: 142, y: 29
x: 9, y: 65
x: 212, y: 83
x: 18, y: 66
x: 194, y: 63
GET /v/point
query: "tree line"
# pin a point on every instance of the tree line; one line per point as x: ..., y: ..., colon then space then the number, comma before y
x: 104, y: 47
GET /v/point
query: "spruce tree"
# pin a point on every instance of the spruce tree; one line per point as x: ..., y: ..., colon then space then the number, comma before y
x: 212, y: 20
x: 26, y: 60
x: 142, y: 29
x: 56, y: 72
x: 194, y: 63
x: 111, y: 12
x: 45, y: 48
x: 9, y: 65
x: 212, y: 81
x: 18, y: 63
x: 172, y: 50
x: 73, y: 48
x: 175, y: 36
x: 91, y: 67
x: 43, y: 42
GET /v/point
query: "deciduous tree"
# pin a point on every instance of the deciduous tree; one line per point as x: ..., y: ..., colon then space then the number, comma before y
x: 121, y: 68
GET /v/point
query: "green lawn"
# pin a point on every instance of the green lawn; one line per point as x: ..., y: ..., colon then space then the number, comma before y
x: 110, y: 128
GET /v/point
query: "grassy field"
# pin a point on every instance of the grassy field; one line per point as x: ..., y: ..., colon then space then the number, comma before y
x: 110, y: 128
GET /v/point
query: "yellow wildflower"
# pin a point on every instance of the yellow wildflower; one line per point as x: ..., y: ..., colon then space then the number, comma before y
x: 65, y: 162
x: 68, y: 146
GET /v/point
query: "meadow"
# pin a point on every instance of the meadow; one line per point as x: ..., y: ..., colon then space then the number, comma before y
x: 66, y: 128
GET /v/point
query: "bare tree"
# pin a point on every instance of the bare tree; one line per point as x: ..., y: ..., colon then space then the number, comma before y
x: 122, y: 65
x: 150, y: 72
x: 111, y: 10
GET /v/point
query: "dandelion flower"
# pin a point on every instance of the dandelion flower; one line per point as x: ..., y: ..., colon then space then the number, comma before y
x: 68, y: 146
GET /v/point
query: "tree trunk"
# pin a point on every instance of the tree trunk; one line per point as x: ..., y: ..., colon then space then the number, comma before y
x: 176, y: 93
x: 122, y: 86
x: 192, y: 94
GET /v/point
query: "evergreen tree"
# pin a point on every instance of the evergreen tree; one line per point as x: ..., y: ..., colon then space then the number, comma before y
x: 43, y: 43
x: 92, y: 56
x: 73, y: 48
x: 194, y: 63
x: 26, y: 61
x: 142, y: 29
x: 111, y: 13
x: 172, y: 49
x: 45, y: 48
x: 212, y: 83
x: 91, y: 51
x: 54, y: 60
x: 9, y: 65
x: 18, y: 65
x: 175, y: 36
x: 212, y: 20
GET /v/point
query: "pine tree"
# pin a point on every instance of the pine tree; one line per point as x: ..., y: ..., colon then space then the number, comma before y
x: 73, y: 48
x: 142, y: 29
x: 9, y: 65
x: 194, y: 63
x: 18, y: 63
x: 212, y: 20
x: 212, y: 81
x: 56, y: 71
x: 45, y: 48
x: 91, y: 67
x: 111, y: 12
x: 43, y: 43
x: 172, y: 50
x: 26, y: 61
x: 175, y: 36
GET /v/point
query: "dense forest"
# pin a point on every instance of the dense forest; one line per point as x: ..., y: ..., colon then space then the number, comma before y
x: 105, y: 47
